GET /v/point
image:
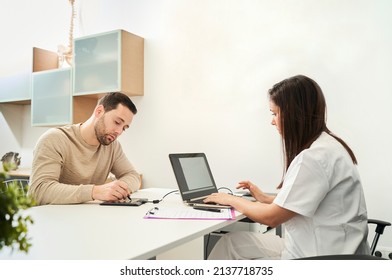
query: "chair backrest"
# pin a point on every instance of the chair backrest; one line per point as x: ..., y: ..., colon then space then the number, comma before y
x: 21, y: 183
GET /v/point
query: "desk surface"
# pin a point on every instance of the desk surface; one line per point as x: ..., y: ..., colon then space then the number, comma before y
x: 91, y: 231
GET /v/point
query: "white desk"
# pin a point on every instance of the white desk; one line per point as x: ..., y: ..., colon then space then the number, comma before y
x: 91, y: 231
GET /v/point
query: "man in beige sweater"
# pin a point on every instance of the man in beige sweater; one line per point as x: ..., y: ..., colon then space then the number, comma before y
x: 71, y: 164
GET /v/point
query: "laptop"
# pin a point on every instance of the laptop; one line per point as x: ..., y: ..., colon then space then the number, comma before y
x: 194, y: 179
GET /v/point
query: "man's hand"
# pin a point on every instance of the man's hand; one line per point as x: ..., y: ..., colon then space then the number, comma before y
x: 111, y: 191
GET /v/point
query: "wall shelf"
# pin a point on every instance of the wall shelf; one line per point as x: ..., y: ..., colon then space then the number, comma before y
x: 110, y: 61
x: 44, y: 60
x: 15, y: 89
x: 51, y: 98
x: 102, y: 63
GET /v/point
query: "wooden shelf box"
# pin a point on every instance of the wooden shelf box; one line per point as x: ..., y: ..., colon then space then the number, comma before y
x: 110, y: 61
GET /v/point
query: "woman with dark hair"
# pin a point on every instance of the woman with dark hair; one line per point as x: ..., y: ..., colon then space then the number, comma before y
x: 320, y: 200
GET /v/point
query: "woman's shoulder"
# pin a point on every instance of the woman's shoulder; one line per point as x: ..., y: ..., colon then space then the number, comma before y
x: 325, y: 149
x: 326, y: 142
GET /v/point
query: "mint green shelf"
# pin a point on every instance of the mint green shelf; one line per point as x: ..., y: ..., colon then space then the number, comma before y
x: 51, y: 98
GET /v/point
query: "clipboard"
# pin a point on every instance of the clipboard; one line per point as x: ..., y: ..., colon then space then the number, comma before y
x: 188, y: 213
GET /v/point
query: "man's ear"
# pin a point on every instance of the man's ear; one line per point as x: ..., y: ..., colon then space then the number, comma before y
x: 99, y: 111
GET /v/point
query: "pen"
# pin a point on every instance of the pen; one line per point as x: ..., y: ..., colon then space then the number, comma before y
x: 207, y: 209
x: 152, y: 211
x: 113, y: 178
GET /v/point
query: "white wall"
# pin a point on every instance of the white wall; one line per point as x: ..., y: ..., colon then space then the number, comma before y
x: 208, y: 66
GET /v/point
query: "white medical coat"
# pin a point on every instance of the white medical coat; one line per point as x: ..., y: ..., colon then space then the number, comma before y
x: 323, y: 186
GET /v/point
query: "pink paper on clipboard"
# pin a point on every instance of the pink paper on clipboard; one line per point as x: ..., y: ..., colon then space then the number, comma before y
x: 188, y: 213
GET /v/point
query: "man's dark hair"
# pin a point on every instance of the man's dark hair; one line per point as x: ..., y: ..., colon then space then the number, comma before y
x: 111, y: 100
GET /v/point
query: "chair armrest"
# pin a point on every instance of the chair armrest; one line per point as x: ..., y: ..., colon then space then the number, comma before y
x: 380, y: 225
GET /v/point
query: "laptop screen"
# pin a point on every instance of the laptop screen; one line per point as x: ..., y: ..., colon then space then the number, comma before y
x: 193, y: 175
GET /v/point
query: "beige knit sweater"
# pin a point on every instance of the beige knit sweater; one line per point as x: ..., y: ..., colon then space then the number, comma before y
x: 65, y: 168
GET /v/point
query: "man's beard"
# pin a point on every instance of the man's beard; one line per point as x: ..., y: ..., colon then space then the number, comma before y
x: 99, y: 132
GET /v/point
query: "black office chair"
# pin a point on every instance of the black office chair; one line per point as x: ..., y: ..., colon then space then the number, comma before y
x: 374, y: 255
x: 379, y: 230
x: 380, y: 226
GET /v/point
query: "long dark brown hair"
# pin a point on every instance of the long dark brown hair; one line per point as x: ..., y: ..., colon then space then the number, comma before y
x: 302, y: 110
